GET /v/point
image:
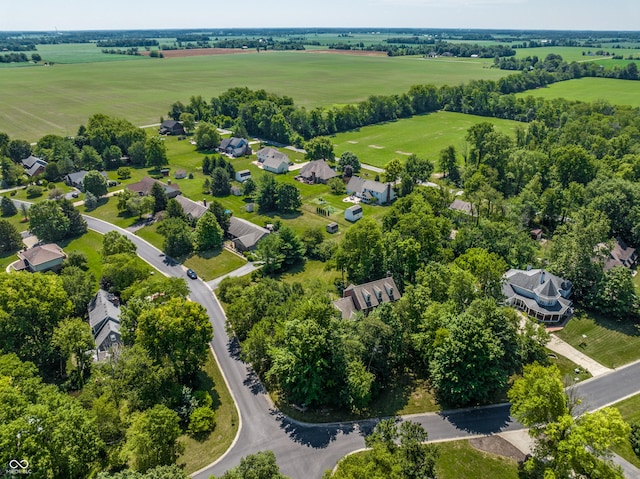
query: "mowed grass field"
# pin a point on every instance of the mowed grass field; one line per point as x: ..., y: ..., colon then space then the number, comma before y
x: 424, y: 135
x: 57, y: 99
x: 616, y: 92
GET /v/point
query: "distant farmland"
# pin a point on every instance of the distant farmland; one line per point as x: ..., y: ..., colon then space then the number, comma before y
x: 424, y: 135
x: 57, y: 99
x: 616, y: 92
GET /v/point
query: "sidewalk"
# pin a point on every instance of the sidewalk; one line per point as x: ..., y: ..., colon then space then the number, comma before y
x: 241, y: 271
x: 557, y: 345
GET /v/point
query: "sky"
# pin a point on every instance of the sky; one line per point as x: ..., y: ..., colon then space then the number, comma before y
x: 48, y: 15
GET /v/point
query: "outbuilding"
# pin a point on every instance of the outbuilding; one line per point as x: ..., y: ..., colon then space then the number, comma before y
x: 353, y: 213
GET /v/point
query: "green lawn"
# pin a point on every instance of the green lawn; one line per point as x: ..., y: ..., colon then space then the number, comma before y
x: 616, y: 92
x: 17, y: 220
x: 91, y: 245
x: 567, y: 367
x: 312, y: 273
x: 108, y: 211
x: 58, y: 99
x: 424, y: 135
x: 213, y: 264
x: 610, y: 342
x: 199, y: 453
x: 568, y: 54
x: 630, y: 410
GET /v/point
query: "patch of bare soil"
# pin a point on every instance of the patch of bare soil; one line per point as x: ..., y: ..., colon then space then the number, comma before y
x: 498, y: 446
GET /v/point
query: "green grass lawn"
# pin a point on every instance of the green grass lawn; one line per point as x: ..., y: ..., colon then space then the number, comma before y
x: 213, y: 264
x: 108, y: 211
x: 17, y: 220
x: 199, y: 453
x: 630, y: 410
x: 608, y: 341
x: 58, y: 99
x: 616, y: 92
x: 313, y: 274
x: 424, y: 135
x: 567, y: 367
x: 91, y: 245
x: 568, y: 54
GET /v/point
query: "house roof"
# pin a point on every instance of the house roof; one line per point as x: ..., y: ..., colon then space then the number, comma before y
x: 243, y: 172
x: 268, y: 152
x: 346, y: 307
x: 460, y: 205
x: 104, y: 333
x: 620, y: 255
x: 530, y: 280
x: 319, y: 168
x: 170, y: 124
x: 78, y: 176
x: 275, y: 163
x: 144, y: 186
x: 31, y: 160
x: 190, y: 207
x: 354, y: 209
x: 367, y: 296
x: 42, y: 254
x: 559, y: 307
x: 246, y: 232
x: 359, y: 185
x: 103, y: 306
x: 233, y: 143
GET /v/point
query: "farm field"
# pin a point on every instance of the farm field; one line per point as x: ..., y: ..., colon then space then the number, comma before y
x: 81, y: 53
x: 58, y: 99
x: 424, y: 135
x: 569, y: 54
x: 616, y: 92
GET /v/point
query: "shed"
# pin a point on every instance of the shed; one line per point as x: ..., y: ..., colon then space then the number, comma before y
x: 332, y: 228
x: 236, y: 190
x: 243, y: 175
x: 353, y: 213
x: 249, y: 207
x: 536, y: 234
x: 180, y: 174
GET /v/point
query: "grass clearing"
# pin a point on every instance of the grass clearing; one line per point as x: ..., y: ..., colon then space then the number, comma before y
x: 616, y: 92
x: 90, y: 244
x: 58, y: 99
x: 213, y: 264
x: 612, y: 343
x: 81, y: 53
x: 423, y: 135
x: 200, y: 453
x: 567, y: 368
x: 630, y: 410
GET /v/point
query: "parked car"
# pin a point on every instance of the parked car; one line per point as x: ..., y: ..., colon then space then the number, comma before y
x: 192, y: 274
x: 74, y: 194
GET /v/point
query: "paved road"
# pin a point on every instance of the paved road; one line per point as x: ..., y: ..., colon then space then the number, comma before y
x: 306, y: 451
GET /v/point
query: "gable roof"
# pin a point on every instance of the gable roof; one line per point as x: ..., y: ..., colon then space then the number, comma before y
x: 460, y: 205
x: 170, y: 124
x: 42, y: 254
x: 268, y: 152
x: 367, y: 296
x: 103, y: 306
x: 275, y: 162
x: 620, y: 255
x: 190, y: 207
x: 31, y: 160
x: 360, y: 185
x: 532, y: 279
x: 318, y: 168
x: 246, y: 232
x: 143, y: 186
x: 77, y: 177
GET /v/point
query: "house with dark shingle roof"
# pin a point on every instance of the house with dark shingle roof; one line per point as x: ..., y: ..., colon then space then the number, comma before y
x: 619, y: 255
x: 104, y: 319
x: 171, y: 127
x: 192, y: 209
x: 33, y: 165
x: 370, y: 191
x: 75, y: 179
x: 317, y: 171
x: 235, y: 147
x: 244, y: 234
x: 273, y: 160
x: 143, y: 187
x: 41, y: 258
x: 365, y: 297
x: 461, y: 206
x: 540, y: 294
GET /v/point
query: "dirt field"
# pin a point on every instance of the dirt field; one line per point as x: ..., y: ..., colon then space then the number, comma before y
x: 195, y: 52
x: 361, y: 53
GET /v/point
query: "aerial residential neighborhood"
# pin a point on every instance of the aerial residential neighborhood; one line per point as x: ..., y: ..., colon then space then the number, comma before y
x: 241, y: 245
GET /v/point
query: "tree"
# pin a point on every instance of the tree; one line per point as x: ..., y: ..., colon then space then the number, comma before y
x: 208, y: 234
x: 360, y: 252
x: 261, y: 465
x: 51, y: 172
x: 269, y: 251
x: 448, y: 164
x: 159, y: 197
x: 319, y: 148
x: 95, y: 183
x: 220, y: 183
x: 111, y: 157
x: 178, y: 240
x: 207, y: 137
x: 10, y: 172
x: 138, y: 205
x: 155, y: 152
x: 222, y: 214
x: 77, y: 224
x: 392, y: 170
x: 7, y: 207
x: 336, y: 185
x: 48, y: 222
x: 349, y: 159
x: 188, y: 121
x: 152, y: 438
x: 418, y: 169
x: 124, y: 172
x: 487, y: 267
x: 616, y: 294
x: 201, y: 421
x: 80, y: 286
x: 287, y: 198
x: 178, y: 331
x: 266, y: 195
x: 117, y: 243
x: 90, y: 202
x: 122, y: 270
x: 291, y: 246
x: 89, y: 158
x: 19, y: 150
x: 10, y: 239
x: 74, y: 339
x: 138, y: 153
x: 249, y: 187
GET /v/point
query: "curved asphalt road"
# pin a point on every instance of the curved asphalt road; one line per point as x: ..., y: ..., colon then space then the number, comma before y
x: 305, y: 450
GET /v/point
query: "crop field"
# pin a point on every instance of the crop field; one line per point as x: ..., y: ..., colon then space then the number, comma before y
x: 80, y: 53
x: 57, y: 99
x: 616, y: 92
x: 423, y: 135
x: 569, y: 54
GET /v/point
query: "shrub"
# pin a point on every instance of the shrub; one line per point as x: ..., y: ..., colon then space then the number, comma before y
x: 204, y: 398
x: 634, y: 438
x: 201, y: 421
x: 33, y: 191
x: 124, y: 172
x: 90, y: 201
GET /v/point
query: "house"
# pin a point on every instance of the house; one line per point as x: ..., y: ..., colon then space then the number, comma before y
x: 317, y: 171
x: 41, y: 258
x: 33, y: 165
x: 235, y: 147
x: 536, y: 234
x: 180, y: 174
x: 244, y: 234
x: 243, y: 175
x: 273, y: 160
x: 538, y: 293
x: 332, y: 228
x: 370, y: 191
x: 365, y: 297
x: 461, y: 206
x: 171, y: 127
x: 620, y: 255
x: 267, y: 152
x: 353, y: 213
x: 76, y: 179
x: 104, y: 320
x: 143, y: 187
x: 192, y: 209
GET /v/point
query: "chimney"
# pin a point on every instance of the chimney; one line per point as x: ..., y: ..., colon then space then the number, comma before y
x: 204, y: 202
x: 542, y: 277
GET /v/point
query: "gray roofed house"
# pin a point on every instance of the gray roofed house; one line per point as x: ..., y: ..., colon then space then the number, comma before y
x: 171, y: 127
x: 104, y: 320
x: 273, y: 160
x: 235, y: 147
x: 192, y: 209
x: 33, y: 165
x: 317, y: 171
x: 143, y: 187
x: 365, y: 297
x: 538, y: 293
x: 76, y: 179
x: 244, y: 234
x: 368, y: 190
x: 462, y: 206
x: 620, y: 255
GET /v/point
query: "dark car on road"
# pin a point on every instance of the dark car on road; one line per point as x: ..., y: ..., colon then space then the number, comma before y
x: 192, y: 274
